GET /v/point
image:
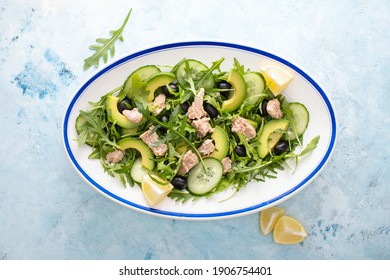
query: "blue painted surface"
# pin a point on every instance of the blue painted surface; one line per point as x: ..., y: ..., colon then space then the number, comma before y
x: 48, y: 212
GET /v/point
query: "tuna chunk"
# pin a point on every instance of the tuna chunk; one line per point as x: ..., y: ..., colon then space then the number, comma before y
x: 273, y: 109
x: 188, y: 161
x: 206, y: 148
x: 158, y: 104
x: 196, y: 111
x: 133, y: 115
x: 240, y: 124
x: 227, y: 165
x: 202, y: 127
x: 115, y: 156
x: 151, y: 138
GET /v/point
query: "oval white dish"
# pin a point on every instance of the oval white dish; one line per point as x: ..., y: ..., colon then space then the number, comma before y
x: 256, y: 196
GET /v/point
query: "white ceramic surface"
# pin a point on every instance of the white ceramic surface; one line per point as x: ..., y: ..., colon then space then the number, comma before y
x: 257, y: 195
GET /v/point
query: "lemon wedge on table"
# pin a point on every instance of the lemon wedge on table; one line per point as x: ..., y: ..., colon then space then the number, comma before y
x: 268, y: 219
x: 276, y: 78
x: 289, y: 231
x: 155, y: 189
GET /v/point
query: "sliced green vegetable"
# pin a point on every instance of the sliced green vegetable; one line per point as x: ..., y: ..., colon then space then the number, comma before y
x: 239, y: 94
x: 221, y: 140
x: 202, y: 180
x: 138, y: 78
x: 255, y: 86
x: 300, y: 120
x: 138, y: 171
x: 91, y: 138
x: 115, y: 116
x: 137, y: 144
x: 156, y: 81
x: 194, y: 70
x: 271, y: 134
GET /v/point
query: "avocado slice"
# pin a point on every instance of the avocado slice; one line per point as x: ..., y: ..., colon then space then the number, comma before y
x: 269, y: 136
x: 137, y: 144
x: 182, y: 147
x: 128, y: 131
x: 221, y: 141
x: 156, y: 81
x: 142, y: 74
x: 115, y: 116
x: 239, y: 94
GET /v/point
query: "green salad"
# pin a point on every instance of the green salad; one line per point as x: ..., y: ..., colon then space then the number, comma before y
x: 192, y: 130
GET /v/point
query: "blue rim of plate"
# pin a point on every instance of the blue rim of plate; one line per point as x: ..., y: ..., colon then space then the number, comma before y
x: 232, y: 213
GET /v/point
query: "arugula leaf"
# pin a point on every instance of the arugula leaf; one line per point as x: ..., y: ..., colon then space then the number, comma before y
x: 188, y: 77
x: 251, y: 153
x: 174, y: 69
x: 215, y: 66
x: 96, y: 125
x: 240, y: 68
x: 182, y: 196
x: 311, y: 146
x: 103, y: 45
x: 137, y: 91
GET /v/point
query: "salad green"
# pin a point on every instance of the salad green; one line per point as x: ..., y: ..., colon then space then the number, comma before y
x: 200, y: 128
x: 103, y: 45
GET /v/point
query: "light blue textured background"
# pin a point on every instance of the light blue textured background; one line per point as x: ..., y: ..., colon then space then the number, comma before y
x: 48, y: 212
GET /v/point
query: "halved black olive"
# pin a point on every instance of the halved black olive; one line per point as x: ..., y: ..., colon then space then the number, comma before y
x: 225, y: 86
x: 173, y: 88
x: 179, y: 182
x: 281, y: 147
x: 124, y: 104
x: 211, y: 110
x: 184, y: 106
x: 240, y: 150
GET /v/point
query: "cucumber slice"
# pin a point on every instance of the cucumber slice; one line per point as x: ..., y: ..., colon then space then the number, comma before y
x: 300, y: 119
x: 81, y: 124
x: 199, y: 182
x: 198, y: 69
x: 138, y: 171
x: 255, y: 86
x: 143, y: 73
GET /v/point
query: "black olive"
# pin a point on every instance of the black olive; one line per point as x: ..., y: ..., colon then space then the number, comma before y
x: 263, y: 108
x: 224, y: 85
x: 179, y: 182
x: 211, y: 110
x: 281, y: 147
x: 240, y: 150
x: 124, y: 104
x: 184, y: 106
x: 173, y: 87
x: 163, y: 118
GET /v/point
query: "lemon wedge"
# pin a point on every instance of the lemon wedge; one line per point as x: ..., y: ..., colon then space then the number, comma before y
x: 155, y: 189
x: 276, y: 78
x: 289, y: 231
x: 268, y: 219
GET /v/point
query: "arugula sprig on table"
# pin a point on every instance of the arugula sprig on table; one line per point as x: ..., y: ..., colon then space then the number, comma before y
x: 103, y: 45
